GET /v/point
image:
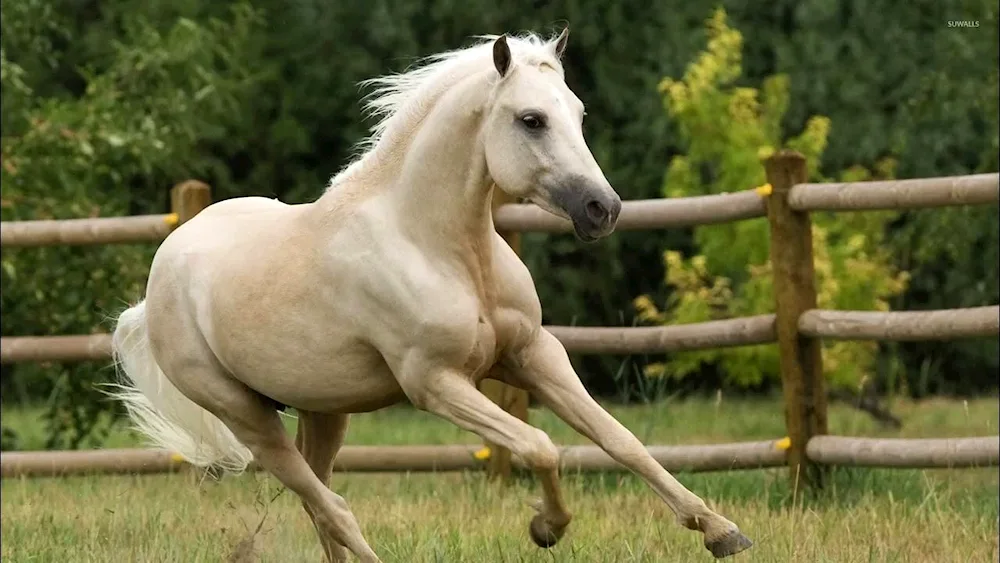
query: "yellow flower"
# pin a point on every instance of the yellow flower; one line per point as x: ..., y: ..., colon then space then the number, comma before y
x: 665, y: 85
x: 699, y: 263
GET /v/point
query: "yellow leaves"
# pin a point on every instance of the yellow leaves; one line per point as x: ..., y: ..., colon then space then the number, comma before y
x: 672, y: 259
x: 719, y: 64
x: 812, y: 142
x: 676, y: 274
x: 900, y: 282
x: 885, y: 168
x: 699, y: 295
x: 856, y: 173
x: 675, y: 94
x: 679, y: 181
x: 656, y: 369
x: 818, y: 127
x: 775, y: 101
x: 856, y: 243
x: 699, y: 263
x: 647, y: 310
x: 716, y: 23
x: 743, y: 105
x: 10, y: 166
x: 759, y: 270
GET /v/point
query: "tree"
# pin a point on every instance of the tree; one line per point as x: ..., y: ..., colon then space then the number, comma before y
x: 138, y: 122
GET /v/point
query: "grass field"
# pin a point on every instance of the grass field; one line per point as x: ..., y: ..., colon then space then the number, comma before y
x: 864, y: 515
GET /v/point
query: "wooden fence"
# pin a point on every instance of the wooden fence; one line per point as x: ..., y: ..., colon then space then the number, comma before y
x: 797, y: 326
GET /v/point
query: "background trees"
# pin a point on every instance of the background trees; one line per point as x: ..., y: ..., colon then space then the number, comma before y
x: 107, y: 104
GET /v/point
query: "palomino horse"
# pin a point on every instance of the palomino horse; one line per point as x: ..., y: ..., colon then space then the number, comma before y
x: 392, y: 286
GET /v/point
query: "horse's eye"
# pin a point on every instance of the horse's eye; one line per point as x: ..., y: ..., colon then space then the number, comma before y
x: 533, y: 121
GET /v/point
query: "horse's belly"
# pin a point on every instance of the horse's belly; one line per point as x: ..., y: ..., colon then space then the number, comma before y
x: 348, y: 379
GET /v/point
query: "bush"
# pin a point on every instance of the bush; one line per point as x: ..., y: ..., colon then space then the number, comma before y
x: 729, y: 131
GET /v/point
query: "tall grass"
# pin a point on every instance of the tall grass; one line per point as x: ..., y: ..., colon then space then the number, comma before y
x: 863, y: 515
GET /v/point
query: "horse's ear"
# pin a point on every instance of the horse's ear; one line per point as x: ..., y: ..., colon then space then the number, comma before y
x: 559, y: 45
x: 501, y: 55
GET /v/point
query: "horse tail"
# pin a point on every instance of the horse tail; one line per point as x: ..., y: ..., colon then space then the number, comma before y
x: 157, y: 409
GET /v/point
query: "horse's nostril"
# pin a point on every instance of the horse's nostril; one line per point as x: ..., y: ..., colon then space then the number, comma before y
x: 597, y: 212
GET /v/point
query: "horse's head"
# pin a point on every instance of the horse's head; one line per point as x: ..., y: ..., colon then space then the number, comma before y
x: 534, y: 143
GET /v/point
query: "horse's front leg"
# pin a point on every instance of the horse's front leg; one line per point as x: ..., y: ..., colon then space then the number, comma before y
x: 451, y: 395
x: 544, y: 369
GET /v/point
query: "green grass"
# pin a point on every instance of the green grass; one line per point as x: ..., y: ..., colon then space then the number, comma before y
x: 864, y: 515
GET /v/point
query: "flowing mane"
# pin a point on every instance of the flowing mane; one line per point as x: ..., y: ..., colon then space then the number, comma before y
x: 400, y: 101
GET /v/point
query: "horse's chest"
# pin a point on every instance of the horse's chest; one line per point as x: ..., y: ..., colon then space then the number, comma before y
x: 484, y: 349
x: 496, y: 333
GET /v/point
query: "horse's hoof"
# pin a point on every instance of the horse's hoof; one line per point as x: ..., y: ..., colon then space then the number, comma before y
x: 729, y: 544
x: 542, y: 533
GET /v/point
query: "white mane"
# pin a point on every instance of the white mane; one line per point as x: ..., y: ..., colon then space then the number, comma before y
x: 398, y: 101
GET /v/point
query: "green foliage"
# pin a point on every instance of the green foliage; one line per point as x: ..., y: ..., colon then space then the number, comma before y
x: 953, y: 253
x: 278, y: 114
x: 729, y: 131
x: 900, y: 80
x: 137, y: 122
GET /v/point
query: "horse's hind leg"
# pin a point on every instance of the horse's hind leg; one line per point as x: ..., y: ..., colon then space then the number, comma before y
x: 319, y: 438
x: 257, y: 425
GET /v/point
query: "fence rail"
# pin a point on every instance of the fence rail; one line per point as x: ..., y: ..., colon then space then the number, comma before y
x: 643, y: 214
x: 905, y: 452
x: 920, y: 193
x: 978, y: 452
x: 743, y: 331
x: 902, y: 326
x: 77, y: 232
x: 797, y: 327
x: 715, y: 457
x: 75, y: 348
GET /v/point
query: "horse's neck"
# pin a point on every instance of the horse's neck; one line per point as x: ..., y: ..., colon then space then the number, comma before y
x: 440, y: 193
x: 443, y: 186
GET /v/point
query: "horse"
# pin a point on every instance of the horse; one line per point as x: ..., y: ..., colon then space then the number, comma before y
x: 393, y: 285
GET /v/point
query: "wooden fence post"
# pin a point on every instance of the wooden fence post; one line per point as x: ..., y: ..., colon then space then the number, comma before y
x: 188, y: 198
x: 795, y: 292
x: 510, y: 399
